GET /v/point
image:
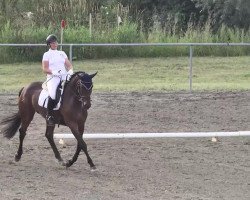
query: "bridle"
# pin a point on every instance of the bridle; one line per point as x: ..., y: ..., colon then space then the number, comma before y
x: 78, y: 91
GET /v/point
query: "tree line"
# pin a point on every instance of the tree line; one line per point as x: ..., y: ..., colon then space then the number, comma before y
x: 124, y: 21
x: 170, y: 16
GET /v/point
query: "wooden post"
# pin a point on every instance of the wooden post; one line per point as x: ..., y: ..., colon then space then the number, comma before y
x: 62, y: 27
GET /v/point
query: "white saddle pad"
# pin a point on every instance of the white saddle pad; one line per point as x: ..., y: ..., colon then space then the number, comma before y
x: 43, y: 100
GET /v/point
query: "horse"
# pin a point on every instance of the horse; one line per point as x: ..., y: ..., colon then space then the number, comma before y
x: 73, y: 112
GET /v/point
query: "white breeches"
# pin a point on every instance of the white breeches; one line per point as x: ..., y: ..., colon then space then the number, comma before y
x: 52, y: 84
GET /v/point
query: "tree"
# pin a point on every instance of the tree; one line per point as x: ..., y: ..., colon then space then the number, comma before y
x: 232, y: 13
x: 172, y: 16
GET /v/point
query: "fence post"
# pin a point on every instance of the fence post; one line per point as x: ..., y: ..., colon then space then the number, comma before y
x: 190, y: 67
x: 90, y: 24
x: 70, y: 52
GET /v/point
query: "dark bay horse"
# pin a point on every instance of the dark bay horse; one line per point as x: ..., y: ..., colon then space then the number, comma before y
x: 72, y: 113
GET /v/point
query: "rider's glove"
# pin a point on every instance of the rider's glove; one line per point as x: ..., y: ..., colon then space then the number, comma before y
x: 70, y: 72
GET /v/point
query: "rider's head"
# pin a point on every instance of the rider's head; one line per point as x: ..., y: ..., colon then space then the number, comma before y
x: 51, y: 38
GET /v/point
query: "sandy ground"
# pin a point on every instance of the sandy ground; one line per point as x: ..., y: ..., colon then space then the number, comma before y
x: 166, y: 168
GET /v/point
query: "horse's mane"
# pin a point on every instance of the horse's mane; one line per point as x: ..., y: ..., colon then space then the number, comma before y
x: 72, y: 77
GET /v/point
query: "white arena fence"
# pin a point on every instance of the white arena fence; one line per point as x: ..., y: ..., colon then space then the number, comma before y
x: 190, y: 45
x: 154, y: 135
x: 148, y: 135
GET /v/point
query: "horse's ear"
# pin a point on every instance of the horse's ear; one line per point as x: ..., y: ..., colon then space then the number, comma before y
x: 92, y: 75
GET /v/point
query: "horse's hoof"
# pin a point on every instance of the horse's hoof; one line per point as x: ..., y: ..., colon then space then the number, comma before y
x: 17, y: 158
x: 68, y: 164
x: 62, y: 163
x: 93, y: 169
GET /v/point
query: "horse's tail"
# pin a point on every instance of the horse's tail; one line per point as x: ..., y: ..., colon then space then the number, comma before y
x: 12, y: 123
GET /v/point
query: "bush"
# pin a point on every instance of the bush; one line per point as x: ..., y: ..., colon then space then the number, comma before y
x: 126, y: 33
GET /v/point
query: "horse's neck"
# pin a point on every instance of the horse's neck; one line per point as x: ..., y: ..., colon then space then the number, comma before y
x: 70, y: 89
x: 70, y: 83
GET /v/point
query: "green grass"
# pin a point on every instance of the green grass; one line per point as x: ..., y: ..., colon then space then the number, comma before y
x: 144, y: 74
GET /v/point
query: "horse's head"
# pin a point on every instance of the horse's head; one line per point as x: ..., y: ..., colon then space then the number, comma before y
x: 81, y: 84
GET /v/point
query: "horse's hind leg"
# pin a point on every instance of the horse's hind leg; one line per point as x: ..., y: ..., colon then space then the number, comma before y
x: 49, y: 136
x: 20, y: 148
x: 25, y: 122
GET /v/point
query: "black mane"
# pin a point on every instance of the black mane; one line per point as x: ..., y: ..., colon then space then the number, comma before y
x: 72, y: 77
x: 76, y: 73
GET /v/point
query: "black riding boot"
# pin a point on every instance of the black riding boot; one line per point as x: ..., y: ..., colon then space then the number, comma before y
x: 49, y: 118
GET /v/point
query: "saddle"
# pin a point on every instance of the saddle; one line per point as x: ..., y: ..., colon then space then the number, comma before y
x: 44, y: 95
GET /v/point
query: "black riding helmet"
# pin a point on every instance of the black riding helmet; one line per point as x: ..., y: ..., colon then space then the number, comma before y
x: 51, y: 38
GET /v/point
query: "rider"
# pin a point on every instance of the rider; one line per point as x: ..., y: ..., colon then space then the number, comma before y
x: 57, y: 66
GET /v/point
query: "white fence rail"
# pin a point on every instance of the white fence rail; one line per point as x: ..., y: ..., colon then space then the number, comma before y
x: 190, y: 45
x: 149, y: 135
x: 155, y: 135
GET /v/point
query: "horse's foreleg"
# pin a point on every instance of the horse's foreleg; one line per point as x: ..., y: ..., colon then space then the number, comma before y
x: 74, y: 159
x: 84, y: 148
x: 49, y: 136
x: 81, y: 145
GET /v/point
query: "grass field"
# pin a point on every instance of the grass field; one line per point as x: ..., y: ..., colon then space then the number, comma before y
x: 144, y: 74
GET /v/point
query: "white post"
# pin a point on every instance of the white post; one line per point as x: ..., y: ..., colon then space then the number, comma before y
x: 71, y: 53
x: 90, y: 24
x: 190, y: 68
x: 61, y: 39
x: 119, y: 21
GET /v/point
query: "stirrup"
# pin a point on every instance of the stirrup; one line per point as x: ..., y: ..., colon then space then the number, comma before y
x: 50, y: 120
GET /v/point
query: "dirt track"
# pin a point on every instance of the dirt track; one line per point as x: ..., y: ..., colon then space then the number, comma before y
x: 137, y: 168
